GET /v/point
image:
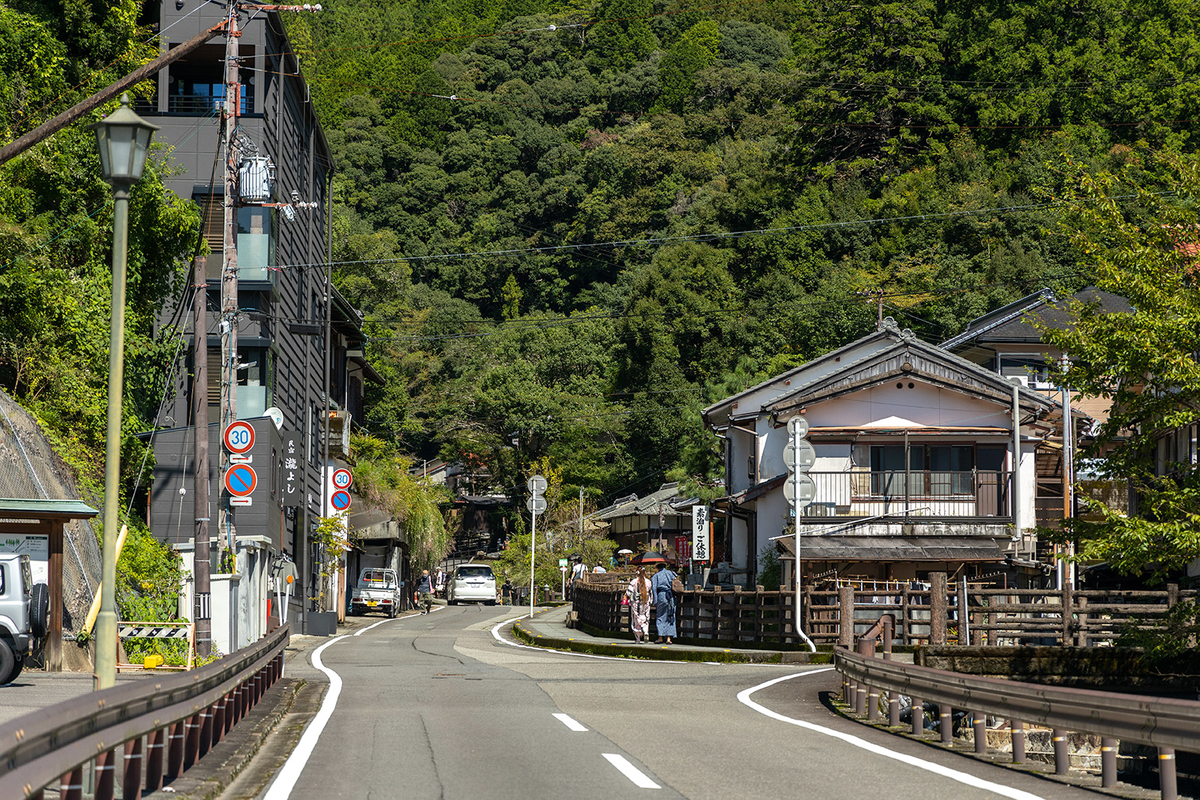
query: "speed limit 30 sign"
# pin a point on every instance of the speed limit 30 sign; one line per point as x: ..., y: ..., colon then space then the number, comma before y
x: 239, y: 437
x: 342, y: 479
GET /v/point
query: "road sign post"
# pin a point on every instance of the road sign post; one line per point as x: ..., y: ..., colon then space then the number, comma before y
x: 799, y: 490
x: 536, y: 505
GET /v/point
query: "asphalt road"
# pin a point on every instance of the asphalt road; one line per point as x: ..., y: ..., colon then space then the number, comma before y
x: 438, y: 706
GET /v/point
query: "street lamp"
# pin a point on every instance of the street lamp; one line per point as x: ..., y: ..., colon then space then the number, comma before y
x: 123, y: 139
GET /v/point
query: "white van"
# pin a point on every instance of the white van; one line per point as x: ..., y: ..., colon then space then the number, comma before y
x: 472, y: 583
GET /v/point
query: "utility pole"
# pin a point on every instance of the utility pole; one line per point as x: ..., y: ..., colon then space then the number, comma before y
x: 201, y: 557
x: 229, y: 268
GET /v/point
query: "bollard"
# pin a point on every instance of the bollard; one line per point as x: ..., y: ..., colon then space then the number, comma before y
x: 979, y: 727
x: 860, y: 699
x: 1166, y: 773
x: 918, y: 716
x: 131, y: 783
x: 1062, y: 756
x: 893, y: 709
x: 71, y: 785
x: 847, y: 690
x: 1108, y: 762
x: 105, y: 770
x: 946, y: 723
x: 1018, y: 740
x: 154, y: 761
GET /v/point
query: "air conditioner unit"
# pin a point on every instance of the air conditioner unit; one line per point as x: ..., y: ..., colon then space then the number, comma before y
x: 256, y: 177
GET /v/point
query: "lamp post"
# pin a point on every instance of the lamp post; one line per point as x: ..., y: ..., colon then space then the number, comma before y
x: 124, y: 140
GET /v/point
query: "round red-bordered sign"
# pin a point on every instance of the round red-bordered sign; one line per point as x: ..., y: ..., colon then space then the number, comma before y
x: 239, y: 437
x: 340, y: 501
x: 342, y: 479
x: 240, y: 480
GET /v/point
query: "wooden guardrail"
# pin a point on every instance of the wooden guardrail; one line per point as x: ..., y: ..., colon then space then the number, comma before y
x: 939, y: 613
x: 180, y: 717
x: 1160, y: 722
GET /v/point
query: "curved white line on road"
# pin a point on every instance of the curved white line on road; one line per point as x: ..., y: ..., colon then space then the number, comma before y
x: 281, y: 789
x: 393, y: 619
x: 929, y: 766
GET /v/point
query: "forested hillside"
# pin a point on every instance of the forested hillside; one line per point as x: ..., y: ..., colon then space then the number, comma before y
x: 581, y: 223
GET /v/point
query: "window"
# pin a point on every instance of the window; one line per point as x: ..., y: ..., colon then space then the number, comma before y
x: 888, y: 471
x: 951, y: 469
x: 256, y: 243
x: 939, y: 470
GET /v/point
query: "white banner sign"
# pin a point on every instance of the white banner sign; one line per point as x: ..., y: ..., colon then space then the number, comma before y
x: 700, y: 536
x: 36, y: 546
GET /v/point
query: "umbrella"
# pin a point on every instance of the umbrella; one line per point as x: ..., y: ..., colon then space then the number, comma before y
x: 624, y: 551
x: 650, y: 557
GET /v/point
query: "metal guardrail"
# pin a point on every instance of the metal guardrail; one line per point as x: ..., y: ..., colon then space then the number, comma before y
x: 181, y: 717
x: 1161, y: 722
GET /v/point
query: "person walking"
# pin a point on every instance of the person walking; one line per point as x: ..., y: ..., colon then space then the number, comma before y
x: 425, y: 590
x: 662, y: 585
x: 639, y: 596
x: 506, y: 592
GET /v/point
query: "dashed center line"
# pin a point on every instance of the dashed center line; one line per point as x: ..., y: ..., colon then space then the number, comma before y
x: 630, y: 771
x: 570, y: 723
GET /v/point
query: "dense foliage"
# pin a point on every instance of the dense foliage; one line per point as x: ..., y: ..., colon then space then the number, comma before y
x: 55, y: 259
x: 574, y: 225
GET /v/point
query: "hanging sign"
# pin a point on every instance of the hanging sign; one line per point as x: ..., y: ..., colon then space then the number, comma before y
x: 700, y: 534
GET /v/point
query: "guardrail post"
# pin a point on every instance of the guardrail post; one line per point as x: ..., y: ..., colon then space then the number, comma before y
x: 206, y: 732
x: 1017, y: 732
x: 893, y: 709
x: 1166, y: 773
x: 946, y: 722
x: 227, y: 712
x: 191, y: 740
x: 889, y: 630
x: 1108, y: 762
x: 175, y: 750
x: 71, y: 785
x: 918, y: 716
x: 937, y: 608
x: 860, y: 699
x: 131, y: 783
x: 218, y: 721
x: 979, y: 728
x: 1062, y: 755
x: 154, y: 761
x: 105, y: 775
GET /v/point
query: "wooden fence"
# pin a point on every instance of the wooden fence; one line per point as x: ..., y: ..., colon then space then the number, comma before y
x: 939, y: 613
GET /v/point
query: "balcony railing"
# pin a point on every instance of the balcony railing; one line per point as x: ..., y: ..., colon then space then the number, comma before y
x: 936, y: 493
x: 200, y: 104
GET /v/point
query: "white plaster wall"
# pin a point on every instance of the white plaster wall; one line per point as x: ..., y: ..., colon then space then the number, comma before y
x: 887, y: 406
x: 739, y: 541
x: 1027, y: 514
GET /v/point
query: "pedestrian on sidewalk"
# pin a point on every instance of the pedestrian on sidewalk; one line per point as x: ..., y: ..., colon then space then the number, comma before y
x: 425, y: 590
x: 662, y: 585
x: 639, y: 596
x: 506, y: 592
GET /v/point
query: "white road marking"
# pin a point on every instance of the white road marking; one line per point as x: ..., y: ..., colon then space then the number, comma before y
x: 281, y: 789
x: 570, y: 723
x: 630, y: 771
x: 929, y: 766
x: 393, y: 619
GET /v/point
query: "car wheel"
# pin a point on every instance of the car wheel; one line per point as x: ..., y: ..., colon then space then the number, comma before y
x: 8, y: 663
x: 16, y: 670
x: 39, y: 610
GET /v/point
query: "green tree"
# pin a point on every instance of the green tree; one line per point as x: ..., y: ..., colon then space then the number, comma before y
x: 1136, y: 233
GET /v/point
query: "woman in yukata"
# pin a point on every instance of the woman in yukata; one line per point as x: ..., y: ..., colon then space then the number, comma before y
x: 639, y: 596
x: 664, y: 603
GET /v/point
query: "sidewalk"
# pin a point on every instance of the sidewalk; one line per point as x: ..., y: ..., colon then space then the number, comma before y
x: 549, y: 629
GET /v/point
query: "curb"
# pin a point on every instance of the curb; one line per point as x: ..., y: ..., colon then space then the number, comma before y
x: 649, y: 652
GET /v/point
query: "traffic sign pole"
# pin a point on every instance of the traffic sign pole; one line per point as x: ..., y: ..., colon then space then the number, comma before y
x: 536, y: 485
x: 799, y: 457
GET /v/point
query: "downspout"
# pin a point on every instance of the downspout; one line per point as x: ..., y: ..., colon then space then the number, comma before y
x: 1016, y: 448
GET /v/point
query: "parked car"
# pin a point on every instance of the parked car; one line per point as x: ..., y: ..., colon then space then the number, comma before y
x: 377, y: 590
x: 24, y: 614
x: 472, y: 583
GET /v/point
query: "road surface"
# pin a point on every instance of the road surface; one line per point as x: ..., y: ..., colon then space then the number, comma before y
x: 449, y: 706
